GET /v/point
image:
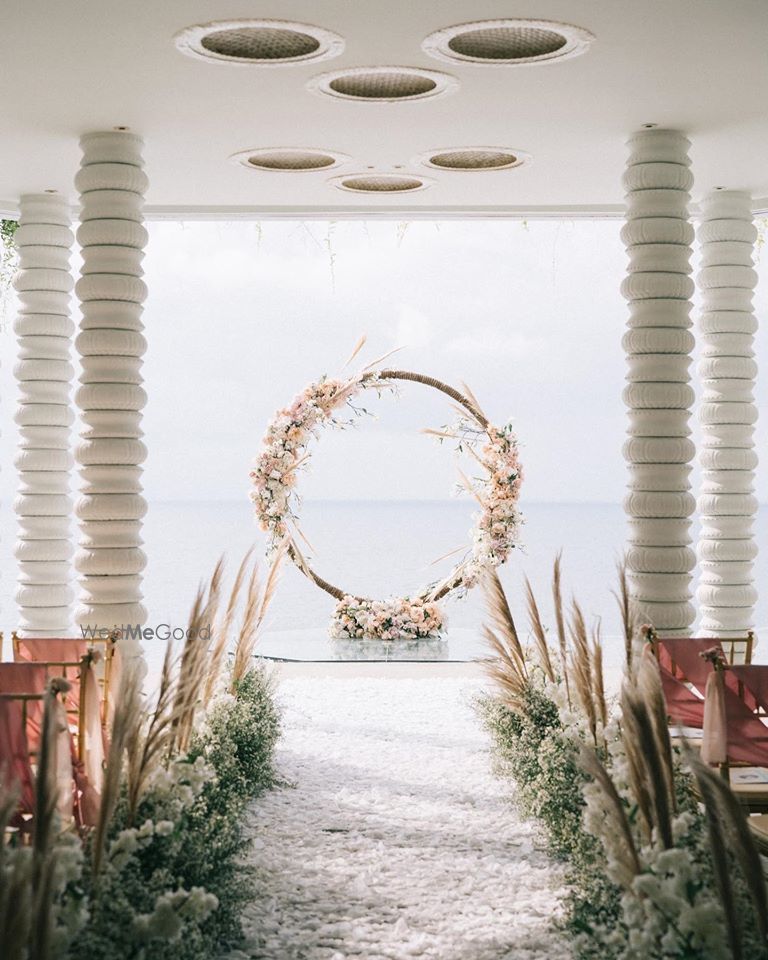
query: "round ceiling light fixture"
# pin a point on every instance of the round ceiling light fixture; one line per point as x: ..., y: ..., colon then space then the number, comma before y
x: 383, y: 84
x: 474, y: 159
x: 289, y: 159
x: 382, y: 184
x: 508, y: 42
x: 259, y: 42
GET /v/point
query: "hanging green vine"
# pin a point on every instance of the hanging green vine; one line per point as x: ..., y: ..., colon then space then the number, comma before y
x: 8, y: 264
x: 7, y: 252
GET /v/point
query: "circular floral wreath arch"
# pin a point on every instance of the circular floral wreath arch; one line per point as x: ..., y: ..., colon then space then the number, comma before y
x: 496, y: 527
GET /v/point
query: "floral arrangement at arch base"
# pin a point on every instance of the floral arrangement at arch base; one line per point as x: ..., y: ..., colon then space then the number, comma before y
x: 332, y: 403
x: 397, y: 618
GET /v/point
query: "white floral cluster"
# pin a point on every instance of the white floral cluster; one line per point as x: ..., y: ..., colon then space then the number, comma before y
x: 174, y: 789
x: 130, y: 841
x: 284, y: 449
x: 667, y: 908
x: 395, y: 619
x: 170, y: 911
x: 497, y: 526
x: 670, y: 913
x: 179, y: 784
x: 69, y: 914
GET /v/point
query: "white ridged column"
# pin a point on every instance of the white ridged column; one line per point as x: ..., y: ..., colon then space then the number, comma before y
x: 658, y: 344
x: 110, y: 561
x: 44, y: 373
x: 728, y: 413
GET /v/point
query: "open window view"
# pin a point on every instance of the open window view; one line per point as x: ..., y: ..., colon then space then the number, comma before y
x: 381, y: 515
x: 427, y: 296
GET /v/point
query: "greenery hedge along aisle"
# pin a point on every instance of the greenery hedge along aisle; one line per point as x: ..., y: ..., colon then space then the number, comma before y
x: 160, y: 875
x: 659, y: 859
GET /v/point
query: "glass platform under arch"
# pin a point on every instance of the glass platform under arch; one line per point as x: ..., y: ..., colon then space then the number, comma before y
x: 458, y: 646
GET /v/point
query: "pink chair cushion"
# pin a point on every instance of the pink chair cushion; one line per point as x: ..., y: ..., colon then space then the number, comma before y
x: 56, y: 650
x: 15, y: 768
x: 59, y: 649
x: 683, y: 706
x: 27, y: 678
x: 755, y: 680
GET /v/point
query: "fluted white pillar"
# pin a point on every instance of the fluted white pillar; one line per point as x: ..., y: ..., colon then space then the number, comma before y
x: 727, y: 504
x: 658, y: 344
x: 44, y: 373
x: 110, y: 561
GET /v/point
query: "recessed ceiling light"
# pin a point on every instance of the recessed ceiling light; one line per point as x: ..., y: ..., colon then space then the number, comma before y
x: 259, y: 42
x: 381, y: 183
x: 508, y: 42
x: 289, y: 159
x: 383, y: 84
x: 474, y: 158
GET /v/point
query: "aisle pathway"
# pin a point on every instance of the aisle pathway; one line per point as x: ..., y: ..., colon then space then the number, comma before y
x: 396, y: 841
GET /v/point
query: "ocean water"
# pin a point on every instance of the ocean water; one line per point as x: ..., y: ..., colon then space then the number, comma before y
x: 378, y: 549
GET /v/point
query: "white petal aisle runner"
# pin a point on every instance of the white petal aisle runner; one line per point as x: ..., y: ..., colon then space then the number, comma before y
x: 397, y: 841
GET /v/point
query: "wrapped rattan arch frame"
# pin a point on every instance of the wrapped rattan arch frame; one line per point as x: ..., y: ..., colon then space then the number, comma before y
x: 495, y: 532
x: 449, y: 391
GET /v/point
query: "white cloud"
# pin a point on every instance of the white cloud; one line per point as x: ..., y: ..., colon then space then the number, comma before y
x: 240, y: 317
x: 414, y: 328
x: 512, y: 346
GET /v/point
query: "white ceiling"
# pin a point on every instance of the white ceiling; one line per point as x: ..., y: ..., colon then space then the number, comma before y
x: 698, y: 65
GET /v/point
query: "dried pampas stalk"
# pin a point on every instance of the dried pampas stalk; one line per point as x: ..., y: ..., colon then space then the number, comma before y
x: 467, y: 484
x: 440, y: 589
x: 247, y: 626
x: 598, y: 678
x: 539, y: 633
x: 507, y: 667
x: 460, y: 411
x: 15, y: 888
x: 382, y: 358
x: 191, y: 681
x: 440, y: 434
x: 41, y: 927
x: 126, y: 724
x: 214, y: 585
x: 631, y: 860
x: 303, y: 536
x: 627, y: 609
x: 46, y: 788
x: 222, y: 631
x: 640, y: 741
x: 44, y: 827
x: 648, y: 684
x: 257, y: 603
x: 638, y: 783
x: 357, y: 348
x: 738, y: 836
x: 719, y: 848
x: 581, y: 667
x: 505, y: 670
x: 445, y: 556
x: 147, y: 740
x: 472, y: 399
x: 501, y: 617
x: 557, y: 598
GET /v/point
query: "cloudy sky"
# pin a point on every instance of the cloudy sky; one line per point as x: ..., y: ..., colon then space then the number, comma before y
x: 242, y: 315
